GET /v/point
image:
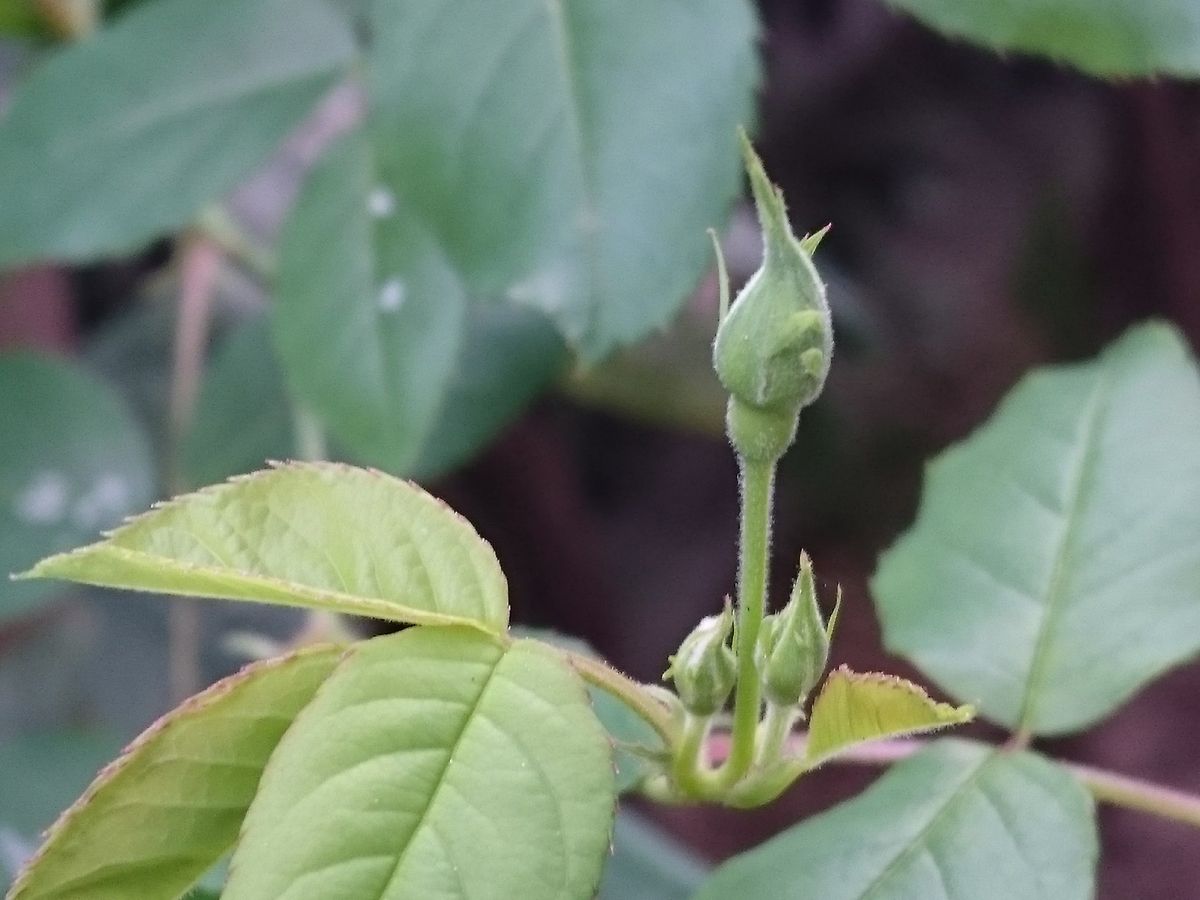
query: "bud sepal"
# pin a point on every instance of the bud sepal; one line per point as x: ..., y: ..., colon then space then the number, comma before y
x: 704, y: 668
x: 793, y: 644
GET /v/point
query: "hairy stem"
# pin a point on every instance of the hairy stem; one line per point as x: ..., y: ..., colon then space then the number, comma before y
x: 1107, y: 787
x: 634, y: 695
x: 757, y: 485
x: 691, y: 769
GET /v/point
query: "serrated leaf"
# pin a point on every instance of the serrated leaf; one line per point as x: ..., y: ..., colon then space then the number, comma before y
x: 156, y: 819
x: 1054, y: 567
x: 126, y: 135
x: 959, y: 821
x: 854, y: 708
x: 1117, y: 38
x: 545, y: 142
x: 370, y: 316
x: 72, y: 461
x: 319, y: 535
x: 438, y: 762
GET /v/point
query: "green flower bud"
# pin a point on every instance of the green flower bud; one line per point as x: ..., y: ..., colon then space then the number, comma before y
x: 793, y: 645
x: 704, y: 669
x: 773, y: 348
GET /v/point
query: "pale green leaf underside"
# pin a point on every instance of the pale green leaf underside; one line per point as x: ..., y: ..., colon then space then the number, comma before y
x: 853, y: 708
x: 1112, y: 38
x: 121, y: 137
x: 435, y: 763
x: 1054, y: 567
x: 958, y: 821
x: 156, y: 819
x: 319, y: 535
x: 545, y: 143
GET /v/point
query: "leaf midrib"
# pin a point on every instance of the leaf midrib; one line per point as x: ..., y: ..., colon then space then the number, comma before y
x: 1055, y: 592
x: 441, y: 781
x: 354, y: 604
x: 591, y: 216
x: 919, y: 840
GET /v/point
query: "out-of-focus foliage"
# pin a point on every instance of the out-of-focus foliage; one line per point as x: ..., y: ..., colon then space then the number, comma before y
x: 72, y: 462
x: 1114, y: 38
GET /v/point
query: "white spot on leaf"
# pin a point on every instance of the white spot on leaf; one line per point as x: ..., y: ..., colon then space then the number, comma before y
x: 44, y: 499
x: 392, y: 295
x: 381, y: 202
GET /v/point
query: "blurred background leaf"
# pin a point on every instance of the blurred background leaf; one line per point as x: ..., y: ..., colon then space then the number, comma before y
x: 648, y: 864
x: 517, y: 133
x: 72, y: 462
x: 93, y: 165
x: 1116, y: 38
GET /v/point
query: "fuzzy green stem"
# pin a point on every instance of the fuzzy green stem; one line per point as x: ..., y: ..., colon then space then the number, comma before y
x: 776, y: 728
x: 690, y: 769
x: 634, y: 695
x: 1107, y: 787
x: 757, y: 486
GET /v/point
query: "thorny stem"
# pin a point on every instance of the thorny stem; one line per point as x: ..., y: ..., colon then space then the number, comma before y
x: 757, y: 485
x: 1107, y: 787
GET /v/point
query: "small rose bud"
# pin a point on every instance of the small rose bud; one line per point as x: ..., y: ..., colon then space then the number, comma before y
x: 773, y: 349
x: 704, y: 668
x: 793, y: 645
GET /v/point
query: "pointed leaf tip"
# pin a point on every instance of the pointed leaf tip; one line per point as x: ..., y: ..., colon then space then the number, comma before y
x: 339, y: 538
x: 854, y: 708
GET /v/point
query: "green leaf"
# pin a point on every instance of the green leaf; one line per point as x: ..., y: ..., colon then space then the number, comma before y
x: 546, y: 143
x: 508, y: 357
x: 243, y: 416
x: 72, y: 461
x: 156, y: 819
x: 319, y: 535
x: 1054, y: 567
x: 369, y: 317
x: 437, y: 762
x: 1116, y: 38
x: 853, y: 708
x: 649, y: 864
x: 635, y: 741
x: 128, y: 134
x: 959, y: 821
